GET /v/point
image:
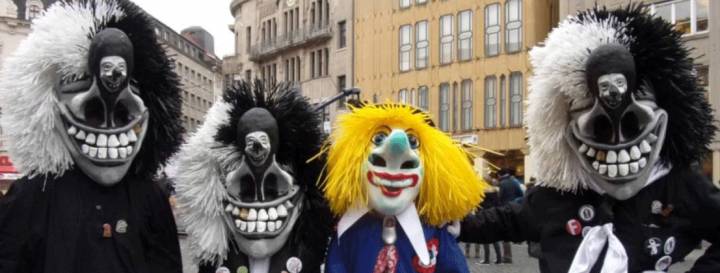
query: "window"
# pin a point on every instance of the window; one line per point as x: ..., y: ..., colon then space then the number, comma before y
x: 312, y: 64
x: 423, y: 98
x: 405, y: 47
x: 248, y: 76
x: 327, y: 61
x: 421, y: 44
x: 404, y: 4
x: 503, y: 102
x: 287, y: 70
x: 465, y: 35
x: 455, y: 114
x: 513, y: 26
x: 444, y: 106
x: 341, y: 87
x: 248, y: 39
x: 33, y: 11
x: 446, y: 39
x: 375, y: 98
x: 516, y: 98
x: 490, y: 103
x: 342, y: 40
x: 298, y: 67
x: 688, y: 16
x: 420, y: 2
x: 492, y: 30
x: 467, y: 105
x: 403, y: 96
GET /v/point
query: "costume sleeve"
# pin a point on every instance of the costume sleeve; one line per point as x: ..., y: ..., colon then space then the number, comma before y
x: 707, y: 202
x: 510, y: 222
x: 15, y: 219
x: 162, y: 246
x: 335, y: 262
x: 450, y: 258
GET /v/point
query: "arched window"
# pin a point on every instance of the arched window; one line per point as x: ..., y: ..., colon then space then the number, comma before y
x: 402, y: 96
x: 444, y: 107
x: 423, y: 98
x: 513, y: 26
x: 516, y: 99
x: 490, y: 101
x: 467, y: 105
x: 503, y: 102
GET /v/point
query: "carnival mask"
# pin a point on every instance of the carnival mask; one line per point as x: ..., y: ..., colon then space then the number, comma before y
x: 393, y: 171
x: 264, y: 201
x: 103, y: 120
x: 617, y: 132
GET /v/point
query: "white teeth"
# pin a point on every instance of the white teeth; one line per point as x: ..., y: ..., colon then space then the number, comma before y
x: 278, y: 224
x: 623, y: 169
x: 123, y: 152
x: 591, y: 152
x: 93, y: 152
x: 80, y: 135
x: 288, y: 204
x: 243, y: 225
x: 252, y: 215
x: 131, y: 136
x: 262, y: 215
x: 130, y: 150
x: 236, y: 212
x: 102, y: 153
x: 634, y: 167
x: 635, y: 153
x: 261, y: 226
x: 229, y: 208
x: 623, y: 156
x: 652, y: 138
x: 583, y: 148
x: 611, y: 157
x: 123, y: 139
x: 102, y: 140
x: 282, y: 211
x: 271, y: 226
x: 113, y: 153
x: 596, y: 165
x: 72, y: 131
x: 85, y: 148
x: 612, y: 170
x: 113, y: 141
x: 642, y: 162
x: 237, y: 223
x: 90, y: 139
x: 602, y: 169
x: 251, y: 226
x: 645, y: 147
x: 272, y: 214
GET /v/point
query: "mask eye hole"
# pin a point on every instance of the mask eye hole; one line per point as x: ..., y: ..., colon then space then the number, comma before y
x: 379, y: 138
x: 631, y: 126
x: 414, y: 141
x: 94, y: 113
x: 602, y: 129
x: 247, y: 189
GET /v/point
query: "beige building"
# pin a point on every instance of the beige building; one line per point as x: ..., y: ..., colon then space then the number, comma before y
x: 306, y: 42
x: 199, y: 70
x: 698, y: 20
x: 465, y: 61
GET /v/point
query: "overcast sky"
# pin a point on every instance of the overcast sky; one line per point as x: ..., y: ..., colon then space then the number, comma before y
x: 213, y: 15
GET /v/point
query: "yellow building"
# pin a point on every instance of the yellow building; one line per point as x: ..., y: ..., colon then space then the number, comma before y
x: 466, y: 61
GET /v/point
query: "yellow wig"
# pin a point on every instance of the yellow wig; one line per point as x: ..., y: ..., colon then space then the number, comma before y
x: 450, y: 189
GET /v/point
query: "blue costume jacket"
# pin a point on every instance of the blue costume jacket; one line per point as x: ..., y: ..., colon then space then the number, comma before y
x: 357, y: 249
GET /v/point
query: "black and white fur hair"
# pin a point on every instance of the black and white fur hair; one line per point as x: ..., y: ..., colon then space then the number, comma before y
x: 212, y: 152
x: 661, y: 59
x: 57, y: 50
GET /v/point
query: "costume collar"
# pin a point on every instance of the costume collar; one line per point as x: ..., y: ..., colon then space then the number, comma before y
x: 658, y: 171
x: 409, y: 220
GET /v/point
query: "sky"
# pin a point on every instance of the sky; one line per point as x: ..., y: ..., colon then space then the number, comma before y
x: 212, y: 15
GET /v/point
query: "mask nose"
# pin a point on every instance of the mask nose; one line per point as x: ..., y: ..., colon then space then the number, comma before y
x: 396, y: 153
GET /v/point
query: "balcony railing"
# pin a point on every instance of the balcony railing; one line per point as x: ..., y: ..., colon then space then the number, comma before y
x: 297, y: 38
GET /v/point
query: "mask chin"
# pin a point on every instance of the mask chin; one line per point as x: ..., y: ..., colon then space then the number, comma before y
x: 387, y: 199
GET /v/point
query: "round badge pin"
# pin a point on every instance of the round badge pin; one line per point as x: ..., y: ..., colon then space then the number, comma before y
x: 663, y: 263
x: 656, y: 207
x: 121, y: 226
x: 586, y: 213
x: 573, y: 227
x: 222, y: 269
x: 653, y: 246
x: 294, y: 265
x: 669, y: 245
x: 242, y: 269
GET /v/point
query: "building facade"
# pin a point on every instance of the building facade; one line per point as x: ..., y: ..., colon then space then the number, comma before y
x: 199, y: 70
x: 305, y: 42
x: 465, y: 61
x: 698, y: 20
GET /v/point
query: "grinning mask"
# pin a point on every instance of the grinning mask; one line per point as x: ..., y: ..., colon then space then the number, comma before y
x: 618, y: 133
x: 264, y: 199
x: 394, y: 171
x: 103, y: 120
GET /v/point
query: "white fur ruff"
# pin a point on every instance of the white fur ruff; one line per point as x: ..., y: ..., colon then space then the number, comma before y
x: 559, y: 80
x: 202, y: 165
x: 56, y: 49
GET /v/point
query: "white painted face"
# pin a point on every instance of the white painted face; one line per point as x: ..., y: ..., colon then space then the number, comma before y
x: 257, y: 147
x: 113, y: 72
x: 612, y: 87
x: 393, y: 171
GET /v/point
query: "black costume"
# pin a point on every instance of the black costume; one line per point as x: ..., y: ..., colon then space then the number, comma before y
x: 615, y: 122
x: 91, y: 110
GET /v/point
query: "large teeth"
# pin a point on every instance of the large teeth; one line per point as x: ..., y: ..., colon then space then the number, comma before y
x: 282, y: 211
x: 90, y: 139
x: 123, y: 152
x: 583, y: 148
x: 243, y: 225
x: 251, y: 226
x: 642, y: 162
x: 252, y: 215
x: 102, y: 140
x: 591, y: 152
x: 102, y: 153
x: 113, y: 141
x: 261, y: 226
x: 236, y: 211
x: 130, y: 150
x: 635, y: 153
x: 602, y: 169
x: 80, y: 135
x: 271, y: 226
x: 72, y: 131
x: 652, y: 138
x: 601, y: 155
x: 612, y: 170
x: 645, y: 147
x: 278, y: 224
x: 262, y: 215
x: 288, y: 204
x: 131, y: 136
x: 123, y: 139
x: 113, y: 153
x: 623, y: 157
x: 634, y: 167
x: 623, y: 169
x: 229, y: 208
x: 611, y: 157
x: 85, y: 149
x: 93, y: 152
x: 272, y: 214
x: 596, y: 165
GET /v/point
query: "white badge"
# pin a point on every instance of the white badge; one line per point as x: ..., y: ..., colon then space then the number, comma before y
x: 121, y: 226
x: 222, y: 269
x: 669, y: 245
x: 663, y: 264
x: 656, y: 207
x: 586, y: 213
x: 294, y: 265
x: 653, y: 246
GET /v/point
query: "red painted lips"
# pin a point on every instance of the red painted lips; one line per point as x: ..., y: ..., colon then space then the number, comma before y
x: 390, y: 191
